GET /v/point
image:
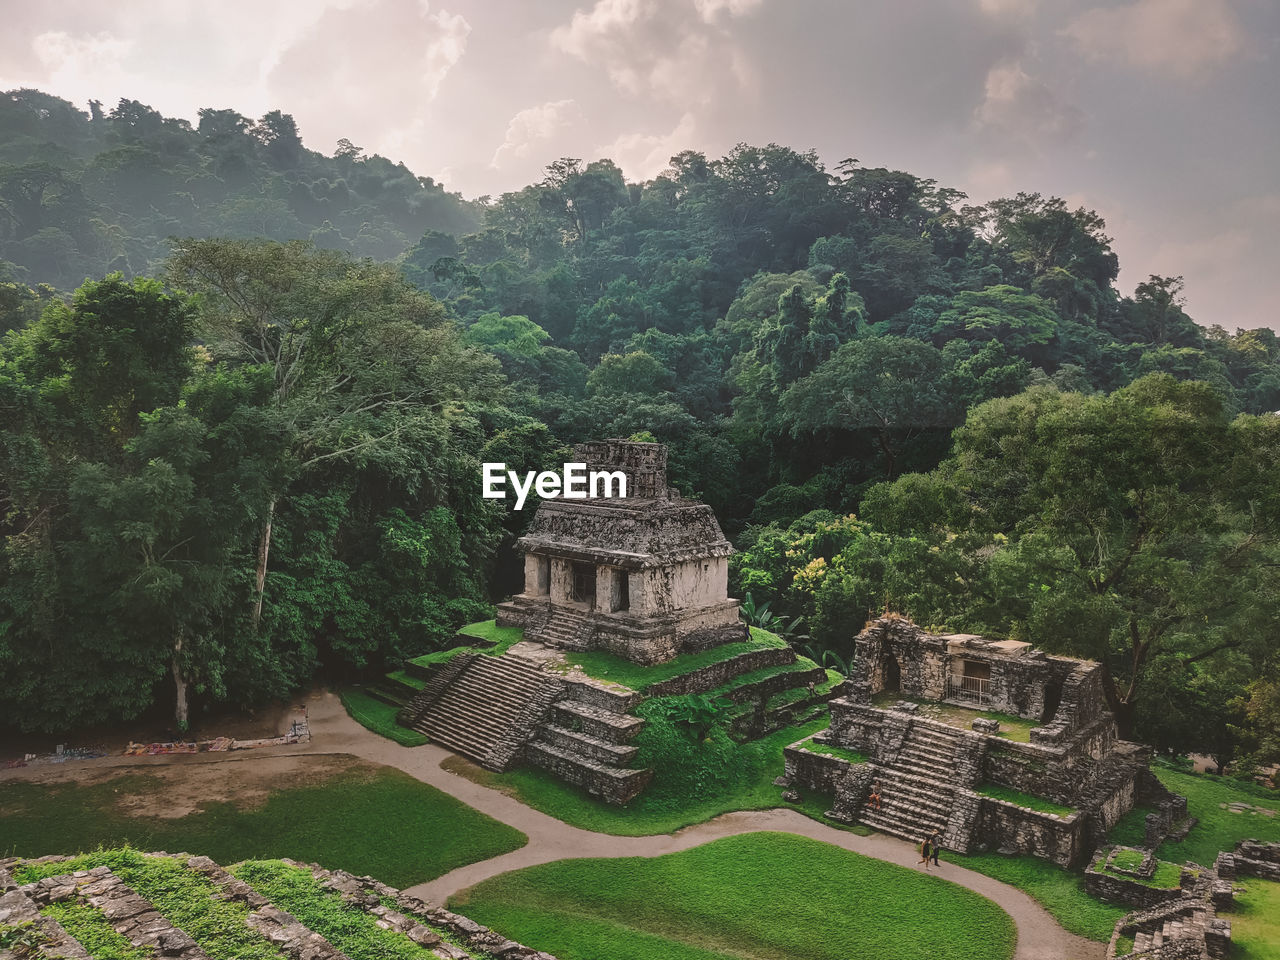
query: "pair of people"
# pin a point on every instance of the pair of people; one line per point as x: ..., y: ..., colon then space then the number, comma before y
x: 929, y: 849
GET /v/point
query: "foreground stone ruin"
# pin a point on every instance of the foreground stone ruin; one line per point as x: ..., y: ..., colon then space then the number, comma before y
x: 448, y: 935
x: 933, y: 771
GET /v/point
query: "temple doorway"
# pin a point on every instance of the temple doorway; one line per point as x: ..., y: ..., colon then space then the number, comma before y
x: 582, y: 588
x: 891, y: 673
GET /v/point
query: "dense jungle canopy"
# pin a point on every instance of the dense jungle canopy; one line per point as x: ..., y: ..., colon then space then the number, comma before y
x: 247, y: 387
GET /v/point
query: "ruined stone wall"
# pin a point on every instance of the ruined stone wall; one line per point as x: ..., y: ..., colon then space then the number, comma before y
x: 716, y: 674
x: 696, y: 583
x: 1017, y: 685
x: 815, y: 772
x: 1006, y: 826
x: 921, y: 657
x: 863, y: 728
x: 1036, y: 770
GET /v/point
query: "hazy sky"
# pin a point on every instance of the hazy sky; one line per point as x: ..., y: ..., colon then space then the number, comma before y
x: 1163, y: 115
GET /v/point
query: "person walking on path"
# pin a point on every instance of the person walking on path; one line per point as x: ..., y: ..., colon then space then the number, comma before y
x: 926, y: 852
x: 936, y: 844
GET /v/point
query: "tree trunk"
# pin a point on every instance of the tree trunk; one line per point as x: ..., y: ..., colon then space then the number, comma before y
x: 264, y: 550
x: 891, y: 461
x: 181, y: 712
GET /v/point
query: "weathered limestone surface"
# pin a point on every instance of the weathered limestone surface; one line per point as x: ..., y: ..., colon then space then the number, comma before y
x: 644, y: 577
x: 930, y: 771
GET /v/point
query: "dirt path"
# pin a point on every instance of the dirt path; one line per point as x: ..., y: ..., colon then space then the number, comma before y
x: 334, y: 732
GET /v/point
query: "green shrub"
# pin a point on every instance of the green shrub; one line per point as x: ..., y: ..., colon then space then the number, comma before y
x: 687, y: 767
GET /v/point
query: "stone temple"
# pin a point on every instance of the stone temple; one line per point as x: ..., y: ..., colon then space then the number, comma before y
x: 643, y: 577
x: 994, y: 744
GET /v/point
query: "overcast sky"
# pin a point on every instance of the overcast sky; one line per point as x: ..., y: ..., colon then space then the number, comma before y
x: 1160, y: 114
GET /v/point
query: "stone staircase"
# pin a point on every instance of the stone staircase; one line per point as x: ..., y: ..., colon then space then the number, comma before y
x: 1178, y: 929
x: 585, y: 739
x: 566, y: 627
x: 918, y: 788
x: 484, y: 708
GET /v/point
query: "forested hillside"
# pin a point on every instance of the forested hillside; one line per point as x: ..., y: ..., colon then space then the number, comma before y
x: 894, y: 399
x: 83, y: 194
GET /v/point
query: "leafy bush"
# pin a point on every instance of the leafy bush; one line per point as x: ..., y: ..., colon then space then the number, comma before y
x: 691, y: 760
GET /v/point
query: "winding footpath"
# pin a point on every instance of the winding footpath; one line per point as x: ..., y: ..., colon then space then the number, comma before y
x: 333, y: 732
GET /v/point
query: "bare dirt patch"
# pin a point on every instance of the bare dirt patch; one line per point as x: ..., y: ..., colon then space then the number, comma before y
x: 175, y: 790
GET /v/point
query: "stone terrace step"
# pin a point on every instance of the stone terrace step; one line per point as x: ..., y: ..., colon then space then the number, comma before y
x: 132, y: 915
x: 589, y: 746
x: 596, y: 721
x: 911, y: 830
x: 615, y: 784
x: 18, y: 908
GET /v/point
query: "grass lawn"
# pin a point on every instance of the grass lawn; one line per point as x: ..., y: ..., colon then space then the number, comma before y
x: 1255, y: 922
x: 644, y: 815
x: 372, y: 714
x: 1013, y: 728
x: 830, y: 750
x: 1060, y: 892
x: 1023, y: 799
x: 606, y: 666
x: 1219, y: 828
x: 503, y: 638
x: 762, y: 895
x: 385, y: 824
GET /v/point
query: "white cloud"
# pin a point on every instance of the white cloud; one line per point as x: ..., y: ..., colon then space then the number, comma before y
x: 531, y: 126
x: 446, y: 47
x: 675, y: 50
x: 1025, y: 108
x: 1182, y: 37
x: 709, y: 10
x: 59, y: 51
x: 643, y: 156
x: 1008, y: 8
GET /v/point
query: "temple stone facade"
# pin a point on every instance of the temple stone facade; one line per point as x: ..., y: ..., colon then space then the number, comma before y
x: 644, y: 576
x: 980, y: 781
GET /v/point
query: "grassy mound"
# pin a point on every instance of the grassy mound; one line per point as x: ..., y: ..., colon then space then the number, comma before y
x: 759, y: 895
x: 754, y: 767
x: 387, y: 825
x: 606, y: 666
x: 379, y: 717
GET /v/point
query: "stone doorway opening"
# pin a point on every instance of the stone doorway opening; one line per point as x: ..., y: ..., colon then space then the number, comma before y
x: 891, y: 672
x: 582, y: 585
